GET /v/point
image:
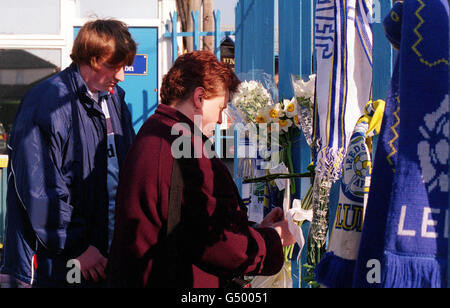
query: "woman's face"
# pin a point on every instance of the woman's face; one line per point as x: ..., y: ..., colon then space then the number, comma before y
x: 212, y: 111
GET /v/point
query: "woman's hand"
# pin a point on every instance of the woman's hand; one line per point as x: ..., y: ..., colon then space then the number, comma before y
x: 276, y: 220
x: 273, y: 217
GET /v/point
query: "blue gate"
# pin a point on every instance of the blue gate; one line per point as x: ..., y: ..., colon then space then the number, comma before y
x: 173, y: 34
x: 255, y: 41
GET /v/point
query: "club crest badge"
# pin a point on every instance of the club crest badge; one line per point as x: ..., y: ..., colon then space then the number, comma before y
x: 357, y: 167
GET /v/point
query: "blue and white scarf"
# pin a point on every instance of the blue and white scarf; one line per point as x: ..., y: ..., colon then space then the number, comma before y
x: 337, y: 267
x: 406, y: 227
x: 343, y: 42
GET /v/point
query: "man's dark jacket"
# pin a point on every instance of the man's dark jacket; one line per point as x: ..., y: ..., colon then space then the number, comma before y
x: 214, y: 239
x: 57, y: 200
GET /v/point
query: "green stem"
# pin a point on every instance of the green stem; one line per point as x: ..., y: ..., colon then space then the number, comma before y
x: 288, y: 252
x: 271, y: 177
x: 291, y: 166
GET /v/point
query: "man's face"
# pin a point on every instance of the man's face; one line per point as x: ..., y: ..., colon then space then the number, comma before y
x: 212, y: 111
x: 105, y: 78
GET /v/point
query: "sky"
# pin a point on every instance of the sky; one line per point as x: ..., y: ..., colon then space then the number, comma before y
x: 226, y: 8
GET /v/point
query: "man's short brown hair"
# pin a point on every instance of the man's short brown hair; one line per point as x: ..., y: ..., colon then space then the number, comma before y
x: 104, y: 38
x: 197, y: 69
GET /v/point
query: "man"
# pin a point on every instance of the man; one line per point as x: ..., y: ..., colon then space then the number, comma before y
x: 68, y: 141
x: 213, y: 239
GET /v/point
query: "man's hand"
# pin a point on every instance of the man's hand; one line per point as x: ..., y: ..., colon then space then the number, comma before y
x: 276, y: 220
x: 93, y: 264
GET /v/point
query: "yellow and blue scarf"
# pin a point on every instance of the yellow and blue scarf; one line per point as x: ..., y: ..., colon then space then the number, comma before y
x: 405, y: 234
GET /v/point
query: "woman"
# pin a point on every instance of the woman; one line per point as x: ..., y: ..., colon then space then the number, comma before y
x: 214, y: 241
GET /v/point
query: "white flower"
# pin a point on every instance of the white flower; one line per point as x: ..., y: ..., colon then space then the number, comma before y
x: 285, y: 124
x: 275, y: 112
x: 250, y: 98
x: 263, y: 116
x: 296, y: 121
x: 303, y: 88
x: 290, y: 108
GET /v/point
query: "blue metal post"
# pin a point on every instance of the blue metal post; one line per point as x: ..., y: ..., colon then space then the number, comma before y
x: 239, y: 36
x: 237, y: 180
x: 174, y: 36
x: 295, y: 58
x: 217, y: 34
x: 218, y: 141
x: 382, y: 55
x: 255, y: 36
x: 196, y: 36
x: 383, y: 59
x: 255, y: 40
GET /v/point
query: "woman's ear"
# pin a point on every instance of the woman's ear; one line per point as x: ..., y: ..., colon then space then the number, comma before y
x: 199, y: 97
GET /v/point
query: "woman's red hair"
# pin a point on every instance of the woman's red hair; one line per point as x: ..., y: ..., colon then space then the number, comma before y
x: 197, y: 69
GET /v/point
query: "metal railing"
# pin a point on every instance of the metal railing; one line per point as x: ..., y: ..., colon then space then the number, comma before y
x: 196, y: 34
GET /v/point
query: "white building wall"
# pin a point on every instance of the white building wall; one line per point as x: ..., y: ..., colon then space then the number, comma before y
x: 70, y: 17
x: 167, y: 7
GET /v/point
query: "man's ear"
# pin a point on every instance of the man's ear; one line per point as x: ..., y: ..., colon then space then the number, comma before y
x: 199, y: 96
x: 94, y: 65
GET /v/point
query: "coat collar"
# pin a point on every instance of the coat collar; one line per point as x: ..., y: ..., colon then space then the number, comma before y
x: 179, y: 117
x: 82, y: 87
x: 174, y: 114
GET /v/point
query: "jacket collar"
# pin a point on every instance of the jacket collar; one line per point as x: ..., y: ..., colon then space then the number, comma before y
x: 82, y: 87
x: 179, y: 117
x: 174, y: 114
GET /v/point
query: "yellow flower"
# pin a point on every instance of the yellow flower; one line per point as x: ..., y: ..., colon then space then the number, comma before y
x: 290, y: 107
x: 261, y: 118
x: 297, y: 121
x: 285, y: 124
x: 275, y: 112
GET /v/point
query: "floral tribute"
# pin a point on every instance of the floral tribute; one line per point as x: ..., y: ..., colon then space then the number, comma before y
x: 250, y: 98
x: 277, y: 124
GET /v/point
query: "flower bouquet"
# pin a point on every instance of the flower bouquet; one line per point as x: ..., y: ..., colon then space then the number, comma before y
x: 255, y: 93
x: 304, y: 92
x: 285, y: 115
x: 276, y: 127
x: 250, y: 98
x: 319, y: 192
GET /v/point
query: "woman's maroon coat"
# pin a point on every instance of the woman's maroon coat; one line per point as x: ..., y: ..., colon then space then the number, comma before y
x: 215, y: 239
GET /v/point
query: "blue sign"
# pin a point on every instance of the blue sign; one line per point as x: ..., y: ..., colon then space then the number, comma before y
x: 139, y: 67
